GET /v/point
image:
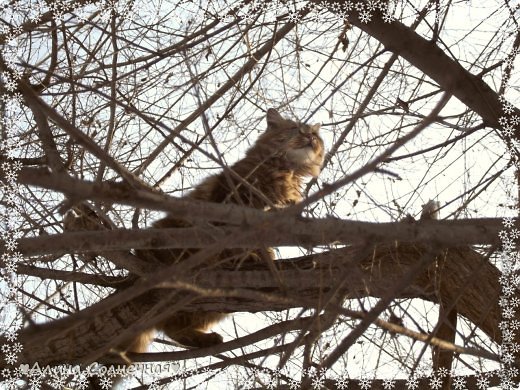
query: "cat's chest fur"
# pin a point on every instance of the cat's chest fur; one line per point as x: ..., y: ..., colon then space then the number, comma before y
x: 269, y: 176
x: 253, y: 184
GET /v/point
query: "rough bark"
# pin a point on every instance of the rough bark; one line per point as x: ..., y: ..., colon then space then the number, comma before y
x: 460, y: 275
x: 426, y: 56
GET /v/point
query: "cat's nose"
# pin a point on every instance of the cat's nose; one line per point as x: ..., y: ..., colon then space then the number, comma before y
x: 313, y: 140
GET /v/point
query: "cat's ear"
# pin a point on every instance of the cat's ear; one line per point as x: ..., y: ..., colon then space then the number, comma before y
x: 316, y: 127
x: 274, y: 118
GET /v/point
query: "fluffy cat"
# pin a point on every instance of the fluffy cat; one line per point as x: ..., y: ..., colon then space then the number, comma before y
x: 270, y: 175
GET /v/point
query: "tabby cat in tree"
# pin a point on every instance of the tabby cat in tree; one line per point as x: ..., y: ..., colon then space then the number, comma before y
x: 269, y: 176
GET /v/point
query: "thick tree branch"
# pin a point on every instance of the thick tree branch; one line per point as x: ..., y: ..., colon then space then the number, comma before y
x: 430, y: 59
x: 292, y: 230
x: 232, y: 290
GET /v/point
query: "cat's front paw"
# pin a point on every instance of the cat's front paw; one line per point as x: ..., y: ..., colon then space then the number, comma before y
x: 213, y: 338
x: 198, y: 339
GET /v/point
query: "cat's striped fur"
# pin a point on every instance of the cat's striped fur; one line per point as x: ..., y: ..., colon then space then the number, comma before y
x: 269, y: 176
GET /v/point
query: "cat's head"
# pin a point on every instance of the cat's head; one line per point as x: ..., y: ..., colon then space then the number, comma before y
x: 300, y: 143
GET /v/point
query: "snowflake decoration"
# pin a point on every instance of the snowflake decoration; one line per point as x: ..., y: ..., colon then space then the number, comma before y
x: 508, y: 108
x: 436, y: 382
x: 105, y: 383
x: 17, y: 372
x: 17, y: 30
x: 248, y: 385
x: 482, y: 382
x: 10, y: 244
x: 348, y: 5
x: 508, y: 261
x: 35, y: 383
x: 459, y: 383
x: 248, y: 18
x: 373, y: 5
x: 508, y: 358
x: 359, y: 6
x: 318, y: 382
x: 226, y: 18
x: 502, y: 121
x: 508, y: 290
x: 57, y: 380
x: 383, y: 6
x: 294, y: 384
x: 154, y: 384
x: 5, y: 348
x: 10, y: 235
x: 335, y: 7
x: 388, y: 384
x: 514, y: 233
x: 342, y: 15
x: 11, y: 197
x: 508, y: 312
x: 10, y: 85
x: 11, y: 335
x: 9, y: 58
x: 11, y: 267
x: 11, y: 384
x: 365, y: 383
x: 12, y: 292
x: 443, y: 372
x: 508, y: 130
x: 276, y: 373
x: 312, y: 7
x: 507, y: 335
x: 11, y: 357
x: 365, y: 17
x: 271, y: 384
x: 506, y: 383
x: 6, y: 373
x: 412, y: 383
x: 512, y: 371
x: 309, y: 372
x: 82, y: 382
x: 514, y: 347
x: 503, y: 235
x: 4, y: 29
x: 388, y: 17
x: 514, y: 324
x: 16, y: 166
x: 342, y: 383
x: 294, y: 16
